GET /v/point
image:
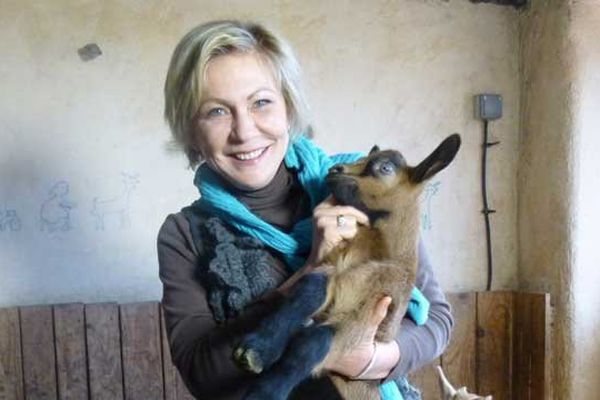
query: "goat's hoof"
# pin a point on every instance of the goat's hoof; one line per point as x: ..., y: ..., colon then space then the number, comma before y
x: 248, y: 359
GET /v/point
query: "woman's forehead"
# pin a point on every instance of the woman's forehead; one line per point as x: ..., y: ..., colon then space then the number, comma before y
x: 239, y: 74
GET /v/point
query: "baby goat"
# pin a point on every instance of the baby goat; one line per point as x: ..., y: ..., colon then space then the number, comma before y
x: 341, y: 295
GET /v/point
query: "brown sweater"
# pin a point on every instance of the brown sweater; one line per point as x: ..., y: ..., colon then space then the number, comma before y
x: 201, y: 349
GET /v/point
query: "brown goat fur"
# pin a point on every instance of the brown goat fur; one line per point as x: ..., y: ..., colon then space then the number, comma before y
x: 381, y: 260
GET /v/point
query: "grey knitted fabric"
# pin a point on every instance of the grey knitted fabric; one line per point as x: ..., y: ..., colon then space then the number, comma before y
x: 233, y: 269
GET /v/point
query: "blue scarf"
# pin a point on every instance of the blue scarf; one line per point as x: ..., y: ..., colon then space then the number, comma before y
x: 312, y: 165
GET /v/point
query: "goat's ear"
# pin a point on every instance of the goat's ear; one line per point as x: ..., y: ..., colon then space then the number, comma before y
x: 374, y: 149
x: 436, y: 161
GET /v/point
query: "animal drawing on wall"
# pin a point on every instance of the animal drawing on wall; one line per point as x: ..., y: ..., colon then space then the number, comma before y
x: 431, y: 189
x: 55, y: 212
x: 341, y: 295
x: 9, y: 220
x: 114, y: 211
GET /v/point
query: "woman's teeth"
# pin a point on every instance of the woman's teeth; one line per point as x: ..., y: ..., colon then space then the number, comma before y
x: 249, y: 156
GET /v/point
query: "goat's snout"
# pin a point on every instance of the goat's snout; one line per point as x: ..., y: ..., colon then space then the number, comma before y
x: 336, y: 169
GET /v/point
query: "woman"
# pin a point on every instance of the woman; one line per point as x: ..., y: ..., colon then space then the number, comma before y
x: 234, y: 104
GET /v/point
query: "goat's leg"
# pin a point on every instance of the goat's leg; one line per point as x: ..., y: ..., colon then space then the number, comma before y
x: 263, y: 347
x: 306, y: 350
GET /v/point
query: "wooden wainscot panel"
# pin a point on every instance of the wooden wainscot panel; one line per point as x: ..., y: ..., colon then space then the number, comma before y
x: 142, y: 361
x: 174, y: 387
x: 11, y: 369
x: 494, y: 323
x: 71, y: 365
x: 459, y: 359
x: 104, y: 351
x: 39, y: 361
x: 531, y: 340
x: 426, y: 380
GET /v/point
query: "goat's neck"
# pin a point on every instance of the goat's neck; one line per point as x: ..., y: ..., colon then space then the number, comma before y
x: 400, y: 232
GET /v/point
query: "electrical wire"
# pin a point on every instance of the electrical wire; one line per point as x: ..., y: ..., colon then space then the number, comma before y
x: 486, y: 210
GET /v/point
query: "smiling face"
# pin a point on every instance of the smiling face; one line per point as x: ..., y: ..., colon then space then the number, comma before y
x: 241, y: 127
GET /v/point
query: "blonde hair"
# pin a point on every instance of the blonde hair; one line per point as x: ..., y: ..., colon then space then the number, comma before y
x: 185, y: 78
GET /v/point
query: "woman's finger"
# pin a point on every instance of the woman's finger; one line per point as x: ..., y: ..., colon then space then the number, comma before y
x: 346, y: 211
x: 381, y: 310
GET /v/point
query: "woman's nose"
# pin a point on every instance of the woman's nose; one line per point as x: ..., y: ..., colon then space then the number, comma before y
x: 243, y: 126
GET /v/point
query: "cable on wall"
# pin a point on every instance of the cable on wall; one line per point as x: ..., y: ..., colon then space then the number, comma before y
x: 487, y: 107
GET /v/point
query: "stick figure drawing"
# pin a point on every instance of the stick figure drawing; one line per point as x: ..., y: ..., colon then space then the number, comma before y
x: 55, y: 212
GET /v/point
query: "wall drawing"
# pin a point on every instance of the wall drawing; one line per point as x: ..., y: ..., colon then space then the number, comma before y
x: 55, y: 212
x: 431, y: 189
x: 115, y: 211
x: 9, y: 220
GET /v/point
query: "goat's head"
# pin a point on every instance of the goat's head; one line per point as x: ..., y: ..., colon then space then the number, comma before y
x: 383, y: 181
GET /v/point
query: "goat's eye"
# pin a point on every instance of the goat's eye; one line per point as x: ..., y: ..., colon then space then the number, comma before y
x: 387, y: 168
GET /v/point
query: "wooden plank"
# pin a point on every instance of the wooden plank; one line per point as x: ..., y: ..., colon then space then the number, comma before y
x: 458, y: 361
x: 71, y: 364
x: 426, y: 380
x: 142, y: 364
x: 174, y: 387
x: 494, y: 330
x: 104, y: 351
x: 169, y: 370
x: 11, y: 369
x: 530, y: 354
x: 39, y: 361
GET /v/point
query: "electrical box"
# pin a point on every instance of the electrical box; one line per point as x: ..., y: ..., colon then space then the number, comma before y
x: 488, y: 106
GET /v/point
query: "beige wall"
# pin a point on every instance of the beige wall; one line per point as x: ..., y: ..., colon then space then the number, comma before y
x: 586, y: 270
x: 558, y: 182
x: 398, y: 73
x: 546, y: 173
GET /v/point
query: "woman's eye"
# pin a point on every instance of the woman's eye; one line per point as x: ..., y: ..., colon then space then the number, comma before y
x: 261, y: 103
x: 387, y: 168
x: 216, y: 112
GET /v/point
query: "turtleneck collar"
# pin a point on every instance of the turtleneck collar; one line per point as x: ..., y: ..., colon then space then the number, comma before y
x: 281, y: 203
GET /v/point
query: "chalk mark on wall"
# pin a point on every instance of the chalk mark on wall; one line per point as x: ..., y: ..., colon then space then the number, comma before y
x: 116, y: 208
x: 431, y: 189
x: 55, y: 212
x: 9, y: 220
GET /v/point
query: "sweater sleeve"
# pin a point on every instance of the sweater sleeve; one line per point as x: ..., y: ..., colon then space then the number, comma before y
x: 200, y: 348
x: 420, y: 345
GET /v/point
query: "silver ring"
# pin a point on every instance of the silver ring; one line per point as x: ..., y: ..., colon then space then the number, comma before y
x: 341, y: 221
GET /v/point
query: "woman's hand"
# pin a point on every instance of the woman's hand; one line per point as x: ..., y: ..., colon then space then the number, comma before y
x: 333, y: 223
x: 353, y: 362
x: 327, y: 233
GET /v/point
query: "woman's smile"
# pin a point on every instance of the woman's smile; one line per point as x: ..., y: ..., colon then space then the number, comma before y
x: 251, y: 155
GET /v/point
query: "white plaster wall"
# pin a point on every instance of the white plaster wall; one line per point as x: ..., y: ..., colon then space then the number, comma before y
x: 398, y: 73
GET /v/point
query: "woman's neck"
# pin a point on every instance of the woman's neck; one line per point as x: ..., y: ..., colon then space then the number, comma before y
x: 281, y: 203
